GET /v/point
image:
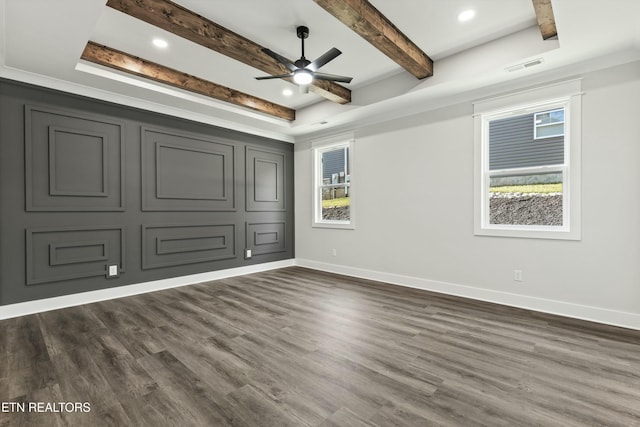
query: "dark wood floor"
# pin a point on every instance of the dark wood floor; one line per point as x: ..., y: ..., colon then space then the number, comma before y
x: 296, y: 347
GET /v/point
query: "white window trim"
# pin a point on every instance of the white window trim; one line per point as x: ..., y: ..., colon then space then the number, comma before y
x: 567, y: 93
x: 318, y: 148
x: 536, y: 126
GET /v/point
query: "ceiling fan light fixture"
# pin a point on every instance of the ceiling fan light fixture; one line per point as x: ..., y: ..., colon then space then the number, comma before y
x: 302, y: 77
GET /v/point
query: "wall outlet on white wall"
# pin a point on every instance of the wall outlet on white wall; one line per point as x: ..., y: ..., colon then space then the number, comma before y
x: 517, y: 275
x: 334, y: 252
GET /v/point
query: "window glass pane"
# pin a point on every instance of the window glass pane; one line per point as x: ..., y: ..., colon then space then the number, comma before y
x: 336, y: 203
x: 549, y: 117
x: 334, y: 166
x: 550, y: 130
x: 512, y: 144
x: 534, y: 199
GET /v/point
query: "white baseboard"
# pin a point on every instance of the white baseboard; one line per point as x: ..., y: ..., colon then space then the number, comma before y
x: 577, y: 311
x: 561, y: 308
x: 47, y: 304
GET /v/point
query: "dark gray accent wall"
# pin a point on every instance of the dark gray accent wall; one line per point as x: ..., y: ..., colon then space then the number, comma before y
x: 86, y: 184
x: 511, y: 145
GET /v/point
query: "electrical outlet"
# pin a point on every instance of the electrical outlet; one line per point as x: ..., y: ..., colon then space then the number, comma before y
x: 334, y: 252
x: 247, y: 253
x: 112, y: 271
x: 517, y: 275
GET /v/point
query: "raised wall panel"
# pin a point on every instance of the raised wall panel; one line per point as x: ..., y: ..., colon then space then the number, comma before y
x: 64, y: 253
x: 78, y: 252
x: 266, y: 237
x: 170, y: 245
x: 182, y: 172
x: 73, y: 161
x: 265, y: 180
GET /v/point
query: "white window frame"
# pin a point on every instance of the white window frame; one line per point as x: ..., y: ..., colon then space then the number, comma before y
x: 318, y: 150
x: 565, y: 95
x: 537, y: 126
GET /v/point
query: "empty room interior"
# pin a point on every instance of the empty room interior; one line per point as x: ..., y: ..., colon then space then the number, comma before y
x: 319, y: 213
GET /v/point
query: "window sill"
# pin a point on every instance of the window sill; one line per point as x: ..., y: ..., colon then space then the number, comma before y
x: 345, y: 225
x: 531, y: 233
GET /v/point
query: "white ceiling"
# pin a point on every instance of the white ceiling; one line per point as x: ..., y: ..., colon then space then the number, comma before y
x: 44, y: 39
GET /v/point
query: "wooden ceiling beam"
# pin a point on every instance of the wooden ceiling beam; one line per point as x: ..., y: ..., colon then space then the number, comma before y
x: 108, y: 57
x: 546, y: 20
x: 191, y: 26
x: 363, y: 18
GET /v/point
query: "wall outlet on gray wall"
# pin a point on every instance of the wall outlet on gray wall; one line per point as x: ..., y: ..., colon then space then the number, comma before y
x: 247, y: 253
x: 112, y: 271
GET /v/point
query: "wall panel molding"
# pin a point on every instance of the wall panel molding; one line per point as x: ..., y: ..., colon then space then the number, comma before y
x: 265, y: 180
x: 186, y: 172
x: 266, y: 237
x: 74, y: 162
x: 165, y: 245
x: 55, y: 254
x: 57, y: 188
x: 97, y: 250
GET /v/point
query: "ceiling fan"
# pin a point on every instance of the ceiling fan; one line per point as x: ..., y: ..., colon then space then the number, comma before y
x: 304, y: 71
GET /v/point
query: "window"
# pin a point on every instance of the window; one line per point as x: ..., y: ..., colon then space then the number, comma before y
x: 549, y: 124
x: 333, y: 186
x: 527, y: 165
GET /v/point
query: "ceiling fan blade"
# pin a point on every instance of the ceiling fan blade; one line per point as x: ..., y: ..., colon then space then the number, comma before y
x: 281, y: 59
x: 330, y: 55
x: 279, y: 76
x: 332, y: 77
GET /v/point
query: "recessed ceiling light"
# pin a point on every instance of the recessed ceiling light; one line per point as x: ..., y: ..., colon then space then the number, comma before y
x: 287, y: 92
x: 160, y: 43
x: 466, y: 15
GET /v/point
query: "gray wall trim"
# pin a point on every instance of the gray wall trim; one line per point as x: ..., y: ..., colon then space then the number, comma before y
x: 274, y: 168
x: 266, y: 237
x: 157, y: 198
x: 51, y: 199
x: 155, y: 254
x: 42, y: 269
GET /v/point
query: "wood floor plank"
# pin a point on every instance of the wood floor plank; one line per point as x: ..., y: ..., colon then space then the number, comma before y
x: 199, y: 403
x: 81, y: 380
x: 344, y: 417
x: 29, y: 367
x: 305, y: 348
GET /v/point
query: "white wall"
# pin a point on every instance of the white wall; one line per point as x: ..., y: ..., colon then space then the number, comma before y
x: 414, y: 223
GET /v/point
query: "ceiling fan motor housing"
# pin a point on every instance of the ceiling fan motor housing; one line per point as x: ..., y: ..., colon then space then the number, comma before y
x: 302, y: 62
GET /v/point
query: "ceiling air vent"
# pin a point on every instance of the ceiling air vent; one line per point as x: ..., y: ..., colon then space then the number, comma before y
x: 524, y: 65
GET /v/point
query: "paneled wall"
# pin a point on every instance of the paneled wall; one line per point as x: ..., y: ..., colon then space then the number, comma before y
x: 87, y: 187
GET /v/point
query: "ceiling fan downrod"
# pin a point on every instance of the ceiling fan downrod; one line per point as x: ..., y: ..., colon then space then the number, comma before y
x: 303, y: 33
